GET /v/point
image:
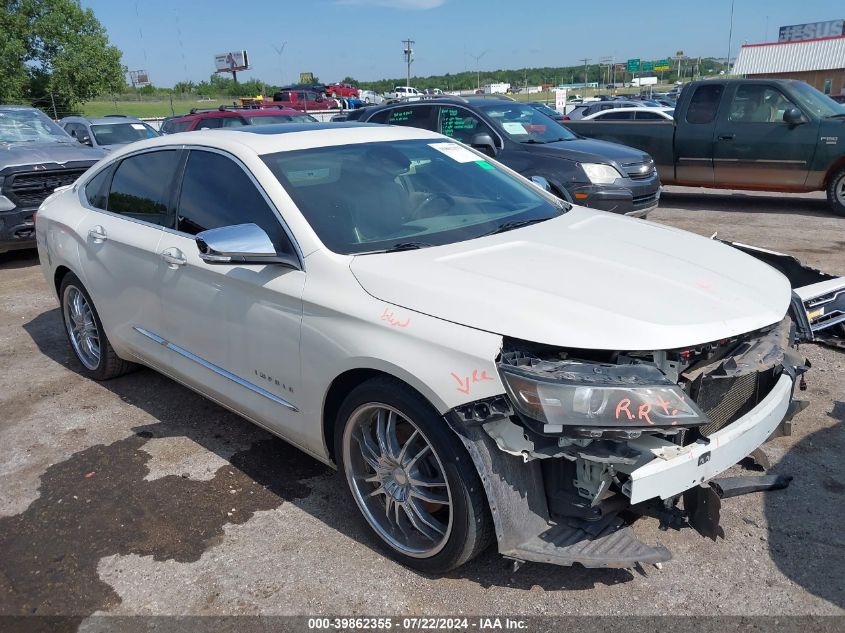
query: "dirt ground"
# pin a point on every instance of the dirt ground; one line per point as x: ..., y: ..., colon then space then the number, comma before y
x: 137, y: 496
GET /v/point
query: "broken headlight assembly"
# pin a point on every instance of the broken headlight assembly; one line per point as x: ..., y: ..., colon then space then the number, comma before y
x: 565, y: 394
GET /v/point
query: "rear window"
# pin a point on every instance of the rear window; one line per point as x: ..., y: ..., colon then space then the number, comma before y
x: 704, y: 104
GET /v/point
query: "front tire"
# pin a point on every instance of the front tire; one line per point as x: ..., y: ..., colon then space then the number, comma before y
x: 412, y: 480
x: 836, y: 192
x: 85, y: 332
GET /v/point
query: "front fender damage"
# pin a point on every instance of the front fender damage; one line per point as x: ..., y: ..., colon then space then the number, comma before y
x: 525, y: 530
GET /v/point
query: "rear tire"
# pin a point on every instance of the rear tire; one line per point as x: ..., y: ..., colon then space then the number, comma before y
x: 836, y: 192
x: 85, y: 333
x: 411, y: 478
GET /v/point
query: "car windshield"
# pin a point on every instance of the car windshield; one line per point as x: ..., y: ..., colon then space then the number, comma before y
x: 373, y: 197
x: 121, y: 133
x: 818, y: 103
x: 525, y: 124
x: 30, y: 126
x: 269, y: 119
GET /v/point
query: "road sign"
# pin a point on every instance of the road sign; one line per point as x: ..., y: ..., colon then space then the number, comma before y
x: 633, y: 66
x: 662, y: 64
x: 647, y: 67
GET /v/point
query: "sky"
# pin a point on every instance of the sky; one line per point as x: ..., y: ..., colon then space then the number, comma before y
x: 176, y: 40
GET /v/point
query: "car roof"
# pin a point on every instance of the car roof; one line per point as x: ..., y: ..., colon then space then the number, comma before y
x: 101, y: 120
x: 11, y: 106
x: 268, y: 139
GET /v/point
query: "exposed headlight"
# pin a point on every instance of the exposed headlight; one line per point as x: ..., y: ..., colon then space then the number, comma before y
x: 587, y: 395
x: 600, y: 174
x: 6, y: 204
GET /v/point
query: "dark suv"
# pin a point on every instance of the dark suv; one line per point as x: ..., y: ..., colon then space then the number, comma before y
x: 592, y: 173
x: 232, y: 117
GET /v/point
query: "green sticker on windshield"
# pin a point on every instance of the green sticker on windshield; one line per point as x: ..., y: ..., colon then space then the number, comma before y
x: 484, y: 164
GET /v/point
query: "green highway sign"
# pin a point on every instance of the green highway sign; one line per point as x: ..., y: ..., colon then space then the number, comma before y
x: 633, y: 65
x: 662, y: 64
x: 648, y: 67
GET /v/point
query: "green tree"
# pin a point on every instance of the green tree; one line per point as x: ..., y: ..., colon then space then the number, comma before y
x: 55, y: 46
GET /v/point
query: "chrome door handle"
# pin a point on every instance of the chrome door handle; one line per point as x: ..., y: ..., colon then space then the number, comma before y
x: 173, y: 257
x: 726, y: 137
x: 97, y: 234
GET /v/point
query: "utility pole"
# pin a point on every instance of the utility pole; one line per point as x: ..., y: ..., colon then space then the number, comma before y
x: 477, y: 59
x: 730, y: 37
x: 409, y: 57
x: 279, y: 50
x: 585, y: 60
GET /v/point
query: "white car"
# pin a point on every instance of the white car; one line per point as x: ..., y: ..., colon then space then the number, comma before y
x: 479, y: 359
x: 401, y: 92
x: 640, y: 113
x: 371, y: 97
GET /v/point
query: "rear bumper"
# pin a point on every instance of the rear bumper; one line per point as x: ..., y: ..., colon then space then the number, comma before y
x: 17, y: 229
x: 671, y: 473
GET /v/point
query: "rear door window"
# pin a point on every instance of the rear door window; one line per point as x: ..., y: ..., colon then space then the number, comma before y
x: 141, y: 186
x: 648, y: 116
x: 210, y: 123
x: 704, y: 104
x: 410, y: 116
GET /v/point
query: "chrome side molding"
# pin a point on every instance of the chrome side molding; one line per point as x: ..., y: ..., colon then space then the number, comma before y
x: 217, y: 370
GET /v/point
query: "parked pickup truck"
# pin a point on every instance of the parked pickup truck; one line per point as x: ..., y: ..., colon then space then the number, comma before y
x: 36, y: 157
x: 763, y: 134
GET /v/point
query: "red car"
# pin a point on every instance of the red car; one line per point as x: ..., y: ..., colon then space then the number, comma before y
x: 232, y: 117
x: 342, y: 90
x: 304, y: 100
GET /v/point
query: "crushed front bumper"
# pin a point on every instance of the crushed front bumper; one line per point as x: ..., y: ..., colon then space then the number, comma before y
x: 672, y: 469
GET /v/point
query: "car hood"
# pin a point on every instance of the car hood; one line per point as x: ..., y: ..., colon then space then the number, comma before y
x: 586, y: 279
x: 12, y: 154
x: 586, y: 150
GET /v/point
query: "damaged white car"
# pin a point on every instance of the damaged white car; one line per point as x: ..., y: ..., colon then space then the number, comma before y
x: 481, y: 360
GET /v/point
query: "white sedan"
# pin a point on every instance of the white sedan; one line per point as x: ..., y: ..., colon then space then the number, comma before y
x: 640, y: 113
x: 481, y: 360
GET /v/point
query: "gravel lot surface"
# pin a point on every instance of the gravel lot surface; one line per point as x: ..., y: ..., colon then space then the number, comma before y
x: 137, y: 496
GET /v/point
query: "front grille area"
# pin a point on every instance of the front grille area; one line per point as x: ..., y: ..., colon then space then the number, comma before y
x: 640, y: 170
x: 724, y: 399
x: 29, y: 189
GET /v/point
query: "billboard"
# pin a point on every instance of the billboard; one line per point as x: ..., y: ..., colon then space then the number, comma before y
x: 231, y: 62
x: 306, y: 78
x: 139, y: 78
x: 814, y: 30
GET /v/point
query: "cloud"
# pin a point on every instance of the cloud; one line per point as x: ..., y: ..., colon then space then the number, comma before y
x: 413, y: 5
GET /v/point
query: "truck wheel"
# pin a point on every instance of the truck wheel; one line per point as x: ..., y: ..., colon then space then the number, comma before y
x: 836, y: 192
x: 86, y: 334
x: 410, y: 477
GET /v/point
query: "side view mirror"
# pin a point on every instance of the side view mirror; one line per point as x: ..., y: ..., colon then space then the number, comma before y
x: 793, y: 116
x: 240, y: 244
x: 542, y: 182
x: 86, y: 140
x: 484, y: 142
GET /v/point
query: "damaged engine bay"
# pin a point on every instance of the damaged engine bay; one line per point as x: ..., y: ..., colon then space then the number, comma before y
x: 586, y: 442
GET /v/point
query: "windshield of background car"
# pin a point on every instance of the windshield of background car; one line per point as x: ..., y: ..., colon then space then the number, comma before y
x: 371, y: 197
x: 121, y: 133
x: 524, y: 124
x: 818, y: 103
x: 30, y: 126
x: 280, y: 118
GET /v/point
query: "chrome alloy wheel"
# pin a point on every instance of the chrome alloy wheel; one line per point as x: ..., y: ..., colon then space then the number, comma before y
x: 397, y: 480
x: 839, y: 191
x: 81, y: 327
